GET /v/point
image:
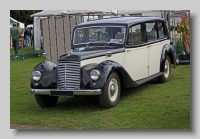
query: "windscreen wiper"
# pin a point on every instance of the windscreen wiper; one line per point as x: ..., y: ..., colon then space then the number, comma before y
x: 115, y: 43
x: 97, y: 42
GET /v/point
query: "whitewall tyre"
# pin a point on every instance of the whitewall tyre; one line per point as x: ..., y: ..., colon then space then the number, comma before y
x: 167, y: 71
x: 110, y: 92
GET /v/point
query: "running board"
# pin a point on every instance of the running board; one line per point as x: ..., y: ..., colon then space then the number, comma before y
x: 139, y: 82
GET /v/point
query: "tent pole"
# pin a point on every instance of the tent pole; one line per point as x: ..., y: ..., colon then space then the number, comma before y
x: 49, y: 39
x: 76, y: 20
x: 56, y: 38
x: 70, y: 27
x: 64, y: 32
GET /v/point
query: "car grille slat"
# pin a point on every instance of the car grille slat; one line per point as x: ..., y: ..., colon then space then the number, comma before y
x: 68, y: 75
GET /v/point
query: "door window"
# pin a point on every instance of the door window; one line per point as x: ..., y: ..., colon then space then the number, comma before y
x: 135, y: 35
x: 151, y: 30
x: 160, y: 30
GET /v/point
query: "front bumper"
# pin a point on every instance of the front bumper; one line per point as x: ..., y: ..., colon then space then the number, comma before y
x: 57, y: 92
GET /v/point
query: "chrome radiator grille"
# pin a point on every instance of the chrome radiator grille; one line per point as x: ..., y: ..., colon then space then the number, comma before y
x: 68, y: 75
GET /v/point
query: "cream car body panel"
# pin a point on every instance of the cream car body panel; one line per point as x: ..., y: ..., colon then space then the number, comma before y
x: 118, y: 58
x: 136, y: 62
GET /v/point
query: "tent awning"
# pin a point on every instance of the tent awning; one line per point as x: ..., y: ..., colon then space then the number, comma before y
x: 12, y: 20
x: 46, y: 13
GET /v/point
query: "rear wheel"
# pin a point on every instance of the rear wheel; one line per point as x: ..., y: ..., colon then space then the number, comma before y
x: 45, y: 101
x: 167, y: 71
x: 110, y: 92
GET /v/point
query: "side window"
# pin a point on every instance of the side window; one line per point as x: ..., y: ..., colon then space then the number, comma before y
x: 160, y: 30
x: 151, y: 30
x: 135, y: 34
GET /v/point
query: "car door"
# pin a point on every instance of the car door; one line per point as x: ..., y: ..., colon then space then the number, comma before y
x: 154, y: 47
x: 136, y: 53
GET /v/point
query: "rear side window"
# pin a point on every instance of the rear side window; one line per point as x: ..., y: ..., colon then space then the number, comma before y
x: 155, y: 30
x: 160, y: 30
x: 135, y: 35
x: 151, y: 30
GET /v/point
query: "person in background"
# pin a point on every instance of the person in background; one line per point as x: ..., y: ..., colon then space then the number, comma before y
x: 27, y: 34
x: 20, y: 32
x: 14, y: 33
x: 32, y: 37
x: 24, y: 37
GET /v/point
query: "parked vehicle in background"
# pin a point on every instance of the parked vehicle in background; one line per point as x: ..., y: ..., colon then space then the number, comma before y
x: 106, y: 54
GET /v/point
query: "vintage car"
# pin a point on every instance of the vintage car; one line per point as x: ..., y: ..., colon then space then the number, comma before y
x: 106, y: 55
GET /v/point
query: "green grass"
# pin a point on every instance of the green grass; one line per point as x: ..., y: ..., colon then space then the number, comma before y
x: 23, y: 50
x: 149, y: 106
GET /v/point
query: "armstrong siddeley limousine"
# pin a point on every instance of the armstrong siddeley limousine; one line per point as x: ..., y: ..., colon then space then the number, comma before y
x: 106, y: 55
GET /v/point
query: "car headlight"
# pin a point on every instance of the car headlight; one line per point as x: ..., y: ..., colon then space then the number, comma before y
x: 94, y: 74
x: 36, y: 75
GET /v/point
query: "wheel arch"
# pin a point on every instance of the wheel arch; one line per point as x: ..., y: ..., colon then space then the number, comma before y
x: 49, y: 76
x: 125, y: 79
x: 106, y: 68
x: 120, y: 77
x: 166, y: 51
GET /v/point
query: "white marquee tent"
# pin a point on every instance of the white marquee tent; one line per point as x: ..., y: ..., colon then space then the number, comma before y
x: 47, y: 13
x: 21, y: 25
x: 56, y: 28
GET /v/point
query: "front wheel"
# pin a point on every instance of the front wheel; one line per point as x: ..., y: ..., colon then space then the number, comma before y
x: 167, y: 71
x: 110, y: 92
x: 45, y: 101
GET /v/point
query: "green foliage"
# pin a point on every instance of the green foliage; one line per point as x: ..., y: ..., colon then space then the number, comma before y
x: 184, y: 29
x: 171, y: 28
x: 149, y: 106
x: 179, y: 44
x: 23, y: 15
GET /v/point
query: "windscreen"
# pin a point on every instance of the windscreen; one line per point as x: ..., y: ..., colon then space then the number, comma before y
x: 114, y: 34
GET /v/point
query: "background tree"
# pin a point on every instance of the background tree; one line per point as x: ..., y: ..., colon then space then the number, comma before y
x: 23, y: 15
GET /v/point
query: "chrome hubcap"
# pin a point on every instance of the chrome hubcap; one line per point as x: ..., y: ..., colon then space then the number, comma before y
x: 113, y: 89
x: 166, y: 70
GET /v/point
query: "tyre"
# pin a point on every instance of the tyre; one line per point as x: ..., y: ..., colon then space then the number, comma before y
x: 111, y: 92
x: 45, y: 101
x: 167, y: 71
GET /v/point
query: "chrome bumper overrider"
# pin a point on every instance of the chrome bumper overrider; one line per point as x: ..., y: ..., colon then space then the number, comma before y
x: 74, y: 92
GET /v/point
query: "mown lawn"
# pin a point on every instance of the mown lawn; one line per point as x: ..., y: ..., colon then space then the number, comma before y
x: 149, y: 106
x: 23, y: 51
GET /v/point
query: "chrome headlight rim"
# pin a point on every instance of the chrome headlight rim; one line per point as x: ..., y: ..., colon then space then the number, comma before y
x: 95, y: 75
x: 36, y: 75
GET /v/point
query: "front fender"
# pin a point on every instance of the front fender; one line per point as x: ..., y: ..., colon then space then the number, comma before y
x: 167, y: 51
x: 105, y: 68
x: 48, y: 80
